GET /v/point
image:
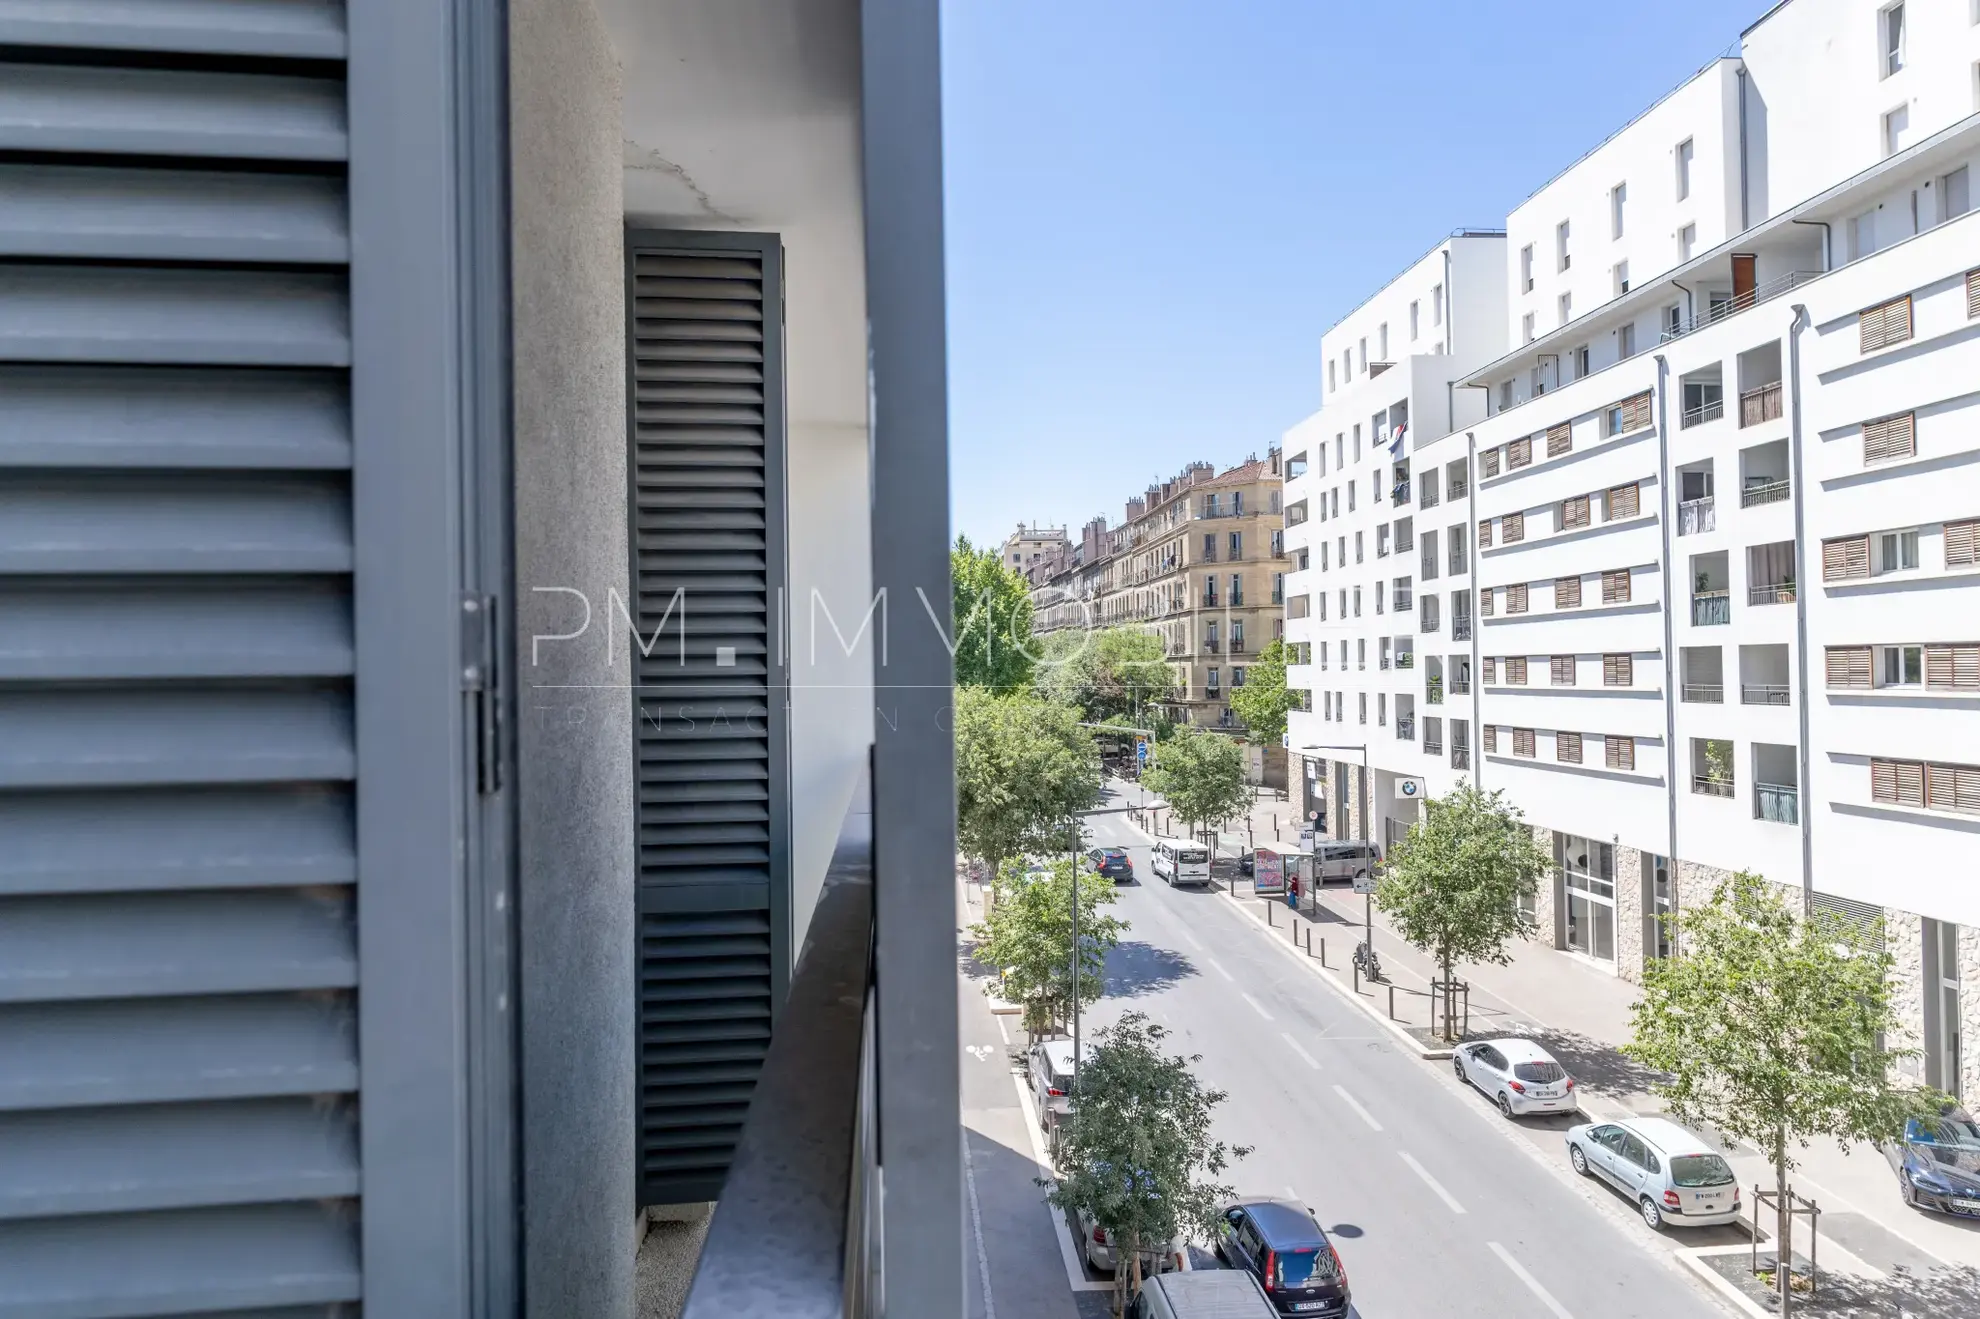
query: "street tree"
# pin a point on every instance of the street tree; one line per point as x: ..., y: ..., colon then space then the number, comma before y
x: 1024, y: 771
x: 1202, y: 776
x: 1027, y: 935
x: 1117, y: 673
x: 1139, y: 1158
x: 992, y: 620
x: 1458, y: 885
x: 1264, y: 700
x: 1770, y: 1025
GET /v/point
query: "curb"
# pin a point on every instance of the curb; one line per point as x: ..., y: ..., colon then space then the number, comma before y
x: 1693, y: 1258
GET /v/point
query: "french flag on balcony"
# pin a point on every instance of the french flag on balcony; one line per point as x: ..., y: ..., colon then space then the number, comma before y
x: 1395, y: 447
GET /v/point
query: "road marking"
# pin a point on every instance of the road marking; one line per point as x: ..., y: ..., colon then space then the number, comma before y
x: 1301, y: 1052
x: 1431, y: 1182
x: 1000, y: 1027
x: 1532, y: 1283
x: 976, y: 1228
x: 1194, y: 942
x: 1255, y: 1007
x: 1364, y: 1114
x: 1220, y: 970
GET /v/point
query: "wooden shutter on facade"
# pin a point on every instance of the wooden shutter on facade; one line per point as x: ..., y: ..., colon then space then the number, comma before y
x: 1567, y: 750
x: 1574, y: 512
x: 1491, y: 665
x: 1963, y: 544
x: 1619, y: 752
x: 1845, y: 558
x: 1953, y: 668
x: 1488, y: 739
x: 1973, y: 295
x: 1884, y: 325
x: 1512, y: 528
x: 1635, y: 413
x: 1489, y: 461
x: 1897, y: 782
x: 1563, y: 670
x: 1560, y: 439
x: 712, y: 864
x: 1522, y: 742
x: 1615, y: 587
x: 1623, y: 502
x: 1519, y: 453
x: 1516, y: 670
x: 1567, y: 593
x: 1849, y: 666
x: 1485, y: 533
x: 1516, y: 598
x: 1618, y: 671
x: 1487, y: 600
x: 1890, y: 437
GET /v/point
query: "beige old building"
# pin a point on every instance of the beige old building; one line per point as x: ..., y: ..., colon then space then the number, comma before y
x: 1200, y: 561
x: 1028, y: 546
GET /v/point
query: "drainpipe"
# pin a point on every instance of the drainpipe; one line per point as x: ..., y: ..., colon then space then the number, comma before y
x: 1745, y: 187
x: 1795, y: 493
x: 1670, y: 652
x: 1828, y: 242
x: 1690, y: 303
x: 1477, y: 619
x: 1450, y: 308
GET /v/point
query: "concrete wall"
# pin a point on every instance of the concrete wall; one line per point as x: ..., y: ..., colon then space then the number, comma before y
x: 574, y: 754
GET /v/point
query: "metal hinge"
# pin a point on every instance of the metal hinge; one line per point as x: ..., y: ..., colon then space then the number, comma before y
x: 481, y: 681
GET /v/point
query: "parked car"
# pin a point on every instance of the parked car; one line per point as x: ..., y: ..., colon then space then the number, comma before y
x: 1205, y: 1294
x: 1676, y: 1179
x: 1937, y: 1163
x: 1279, y: 1243
x: 1517, y: 1075
x: 1181, y: 862
x: 1113, y: 862
x: 1100, y: 1251
x: 1247, y: 863
x: 1049, y: 1066
x: 1345, y: 860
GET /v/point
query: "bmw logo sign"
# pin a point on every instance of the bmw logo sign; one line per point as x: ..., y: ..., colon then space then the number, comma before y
x: 1410, y: 787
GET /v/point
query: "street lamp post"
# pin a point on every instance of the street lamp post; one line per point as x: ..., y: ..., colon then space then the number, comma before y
x: 1361, y: 828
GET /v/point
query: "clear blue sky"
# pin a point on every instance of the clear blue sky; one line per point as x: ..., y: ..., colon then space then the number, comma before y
x: 1155, y: 207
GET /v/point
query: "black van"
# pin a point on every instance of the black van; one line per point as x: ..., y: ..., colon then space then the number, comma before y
x: 1279, y: 1244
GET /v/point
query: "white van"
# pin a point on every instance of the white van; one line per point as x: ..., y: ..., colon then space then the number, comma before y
x: 1182, y: 862
x: 1202, y: 1294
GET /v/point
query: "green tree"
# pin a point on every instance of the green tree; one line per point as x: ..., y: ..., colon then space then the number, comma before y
x: 1139, y: 1157
x: 1770, y: 1025
x: 1024, y: 770
x: 1456, y: 886
x: 1132, y: 672
x: 1067, y: 669
x: 1202, y: 776
x: 1027, y: 935
x: 1264, y: 700
x: 992, y: 620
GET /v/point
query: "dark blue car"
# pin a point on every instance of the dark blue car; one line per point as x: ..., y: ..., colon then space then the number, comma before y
x: 1938, y: 1164
x: 1278, y: 1243
x: 1113, y: 862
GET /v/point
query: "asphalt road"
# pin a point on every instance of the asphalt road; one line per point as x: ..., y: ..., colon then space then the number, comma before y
x: 1434, y: 1206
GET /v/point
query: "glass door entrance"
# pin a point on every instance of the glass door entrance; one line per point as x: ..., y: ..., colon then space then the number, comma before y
x: 1588, y: 880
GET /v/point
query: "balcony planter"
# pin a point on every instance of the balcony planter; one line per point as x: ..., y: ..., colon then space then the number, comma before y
x: 1433, y: 690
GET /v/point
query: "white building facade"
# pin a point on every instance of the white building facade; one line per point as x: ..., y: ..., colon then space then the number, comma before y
x: 1722, y: 520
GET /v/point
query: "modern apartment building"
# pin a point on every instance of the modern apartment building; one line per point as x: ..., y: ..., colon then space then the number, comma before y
x: 1199, y: 560
x: 1675, y: 682
x: 1030, y: 545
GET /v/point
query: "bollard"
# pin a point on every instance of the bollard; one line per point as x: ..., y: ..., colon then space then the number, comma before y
x: 1323, y: 950
x: 1392, y: 1000
x: 1268, y: 913
x: 1357, y: 977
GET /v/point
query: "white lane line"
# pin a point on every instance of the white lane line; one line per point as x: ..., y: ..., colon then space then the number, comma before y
x: 1364, y: 1114
x: 1255, y: 1005
x: 1532, y: 1283
x: 976, y: 1229
x: 1449, y: 1200
x: 1304, y: 1055
x: 1075, y: 1274
x: 1000, y: 1025
x: 1194, y: 942
x: 1220, y: 970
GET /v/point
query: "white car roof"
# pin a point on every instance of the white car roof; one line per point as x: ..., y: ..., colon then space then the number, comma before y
x: 1519, y: 1049
x: 1666, y: 1135
x: 1059, y: 1053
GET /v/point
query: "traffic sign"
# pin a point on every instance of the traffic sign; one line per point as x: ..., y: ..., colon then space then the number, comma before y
x: 1364, y: 883
x: 1141, y: 749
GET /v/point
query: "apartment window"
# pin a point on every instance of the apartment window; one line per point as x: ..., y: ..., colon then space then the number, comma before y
x: 1334, y: 502
x: 1414, y: 324
x: 1581, y: 362
x: 1487, y: 598
x: 1624, y: 502
x: 1237, y: 503
x: 1628, y: 416
x: 1491, y: 667
x: 1567, y: 593
x: 1562, y: 257
x: 1357, y: 458
x: 1619, y: 752
x: 1526, y: 269
x: 1901, y: 666
x: 1574, y: 513
x: 1626, y: 339
x: 1436, y: 304
x: 1489, y: 464
x: 1237, y: 545
x: 1560, y: 439
x: 1516, y: 598
x: 1519, y: 453
x: 1890, y: 25
x: 1526, y: 329
x: 1883, y: 325
x: 1382, y: 342
x: 1845, y: 558
x: 1364, y: 352
x: 1332, y: 385
x: 1237, y: 590
x: 1953, y: 668
x: 1890, y: 437
x: 1963, y: 544
x: 1566, y: 304
x: 1897, y: 551
x: 1209, y: 540
x: 1851, y: 666
x: 1687, y: 242
x: 1505, y: 395
x: 1211, y: 680
x: 1897, y: 124
x: 1618, y: 671
x: 1363, y: 703
x: 1357, y: 535
x: 1455, y: 538
x: 1488, y: 738
x: 1684, y: 154
x: 1561, y: 671
x: 1357, y: 604
x: 1512, y: 528
x: 1618, y: 206
x: 1382, y: 709
x: 1615, y: 587
x: 1237, y: 675
x: 1361, y: 653
x: 1522, y: 742
x: 1955, y: 195
x: 1567, y: 748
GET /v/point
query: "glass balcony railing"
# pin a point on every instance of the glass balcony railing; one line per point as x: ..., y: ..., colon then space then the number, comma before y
x: 1696, y: 516
x: 1780, y: 803
x: 1711, y: 608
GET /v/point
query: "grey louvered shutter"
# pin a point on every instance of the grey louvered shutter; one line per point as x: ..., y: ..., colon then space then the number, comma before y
x: 705, y: 344
x: 178, y: 848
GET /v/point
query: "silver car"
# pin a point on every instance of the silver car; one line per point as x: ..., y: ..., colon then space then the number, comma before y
x: 1517, y: 1075
x: 1049, y: 1068
x: 1676, y: 1179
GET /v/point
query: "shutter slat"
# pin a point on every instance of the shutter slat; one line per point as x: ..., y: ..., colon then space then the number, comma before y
x: 170, y: 112
x: 1883, y: 325
x: 1567, y: 593
x: 1845, y: 558
x: 1939, y: 790
x: 1519, y: 453
x: 77, y: 212
x: 1973, y: 295
x: 1512, y: 528
x: 1890, y: 437
x: 1559, y: 440
x: 1623, y: 502
x: 1849, y: 666
x: 1516, y: 598
x: 1962, y: 541
x: 278, y: 28
x: 1567, y: 748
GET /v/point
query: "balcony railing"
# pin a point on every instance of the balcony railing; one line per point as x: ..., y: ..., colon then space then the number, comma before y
x: 1278, y: 596
x: 1402, y: 601
x: 1704, y: 693
x: 1461, y: 628
x: 1778, y: 802
x: 1209, y: 648
x: 1237, y: 643
x: 1405, y: 539
x: 1769, y: 492
x: 1399, y: 493
x: 1382, y: 662
x: 1429, y: 621
x: 1771, y: 593
x: 1711, y: 608
x: 1455, y: 563
x: 1458, y: 489
x: 1433, y: 744
x: 1765, y: 693
x: 1237, y: 599
x: 806, y: 1169
x: 1710, y: 410
x: 1460, y: 685
x: 1696, y: 516
x: 1460, y: 757
x: 1758, y: 405
x: 1405, y: 728
x: 1732, y: 306
x: 1707, y: 785
x: 1209, y: 602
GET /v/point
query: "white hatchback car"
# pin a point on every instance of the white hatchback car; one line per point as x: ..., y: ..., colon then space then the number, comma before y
x: 1676, y: 1179
x: 1518, y: 1075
